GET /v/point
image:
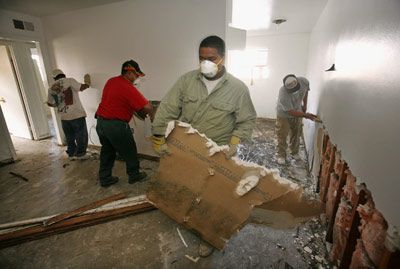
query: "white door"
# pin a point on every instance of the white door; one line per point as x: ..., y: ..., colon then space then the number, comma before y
x: 12, y: 105
x: 30, y: 88
x: 7, y: 152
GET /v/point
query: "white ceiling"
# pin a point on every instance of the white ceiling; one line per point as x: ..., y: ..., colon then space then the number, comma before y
x: 301, y: 16
x: 41, y: 8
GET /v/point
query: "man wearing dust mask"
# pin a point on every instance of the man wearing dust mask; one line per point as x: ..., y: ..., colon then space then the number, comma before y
x: 210, y: 99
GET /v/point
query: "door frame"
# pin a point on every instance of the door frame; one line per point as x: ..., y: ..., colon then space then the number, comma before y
x: 30, y: 88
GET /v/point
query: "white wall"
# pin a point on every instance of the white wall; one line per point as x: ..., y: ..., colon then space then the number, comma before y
x: 287, y: 54
x: 163, y: 36
x: 360, y: 102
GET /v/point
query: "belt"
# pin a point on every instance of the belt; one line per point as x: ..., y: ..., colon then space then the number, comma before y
x: 101, y: 118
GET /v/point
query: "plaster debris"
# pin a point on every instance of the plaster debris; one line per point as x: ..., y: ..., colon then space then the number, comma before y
x: 170, y: 128
x: 308, y: 250
x: 246, y: 184
x: 191, y: 130
x: 193, y: 259
x: 319, y: 258
x: 180, y: 235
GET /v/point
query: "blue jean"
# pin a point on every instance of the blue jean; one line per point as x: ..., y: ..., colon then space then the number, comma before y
x: 77, y: 136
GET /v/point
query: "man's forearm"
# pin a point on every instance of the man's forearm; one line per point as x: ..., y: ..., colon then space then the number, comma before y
x: 297, y: 113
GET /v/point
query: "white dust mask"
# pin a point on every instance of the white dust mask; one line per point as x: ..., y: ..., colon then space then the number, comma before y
x: 208, y: 68
x: 138, y: 82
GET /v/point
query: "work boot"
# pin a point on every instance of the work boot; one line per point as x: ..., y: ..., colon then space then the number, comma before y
x: 108, y: 181
x: 136, y: 178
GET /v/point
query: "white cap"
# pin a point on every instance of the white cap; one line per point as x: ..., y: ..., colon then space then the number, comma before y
x: 290, y: 82
x: 57, y: 72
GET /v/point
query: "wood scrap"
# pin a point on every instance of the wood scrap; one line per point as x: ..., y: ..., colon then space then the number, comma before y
x: 27, y: 222
x: 193, y: 259
x: 84, y: 208
x: 112, y: 205
x: 19, y: 176
x: 73, y: 223
x: 182, y: 239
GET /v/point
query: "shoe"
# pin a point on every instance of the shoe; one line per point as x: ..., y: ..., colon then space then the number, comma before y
x: 109, y: 181
x: 83, y: 157
x: 281, y: 161
x: 136, y: 178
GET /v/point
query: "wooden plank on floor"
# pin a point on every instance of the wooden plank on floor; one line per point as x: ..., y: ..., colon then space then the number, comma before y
x: 39, y: 231
x: 84, y: 208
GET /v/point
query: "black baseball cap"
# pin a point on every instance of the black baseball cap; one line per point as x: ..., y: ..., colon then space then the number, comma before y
x: 131, y: 65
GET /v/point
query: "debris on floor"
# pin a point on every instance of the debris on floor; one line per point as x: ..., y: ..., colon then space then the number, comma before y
x: 147, y: 240
x: 19, y: 176
x: 110, y: 208
x: 209, y: 202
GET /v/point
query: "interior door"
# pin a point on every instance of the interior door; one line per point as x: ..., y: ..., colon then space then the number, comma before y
x: 12, y: 103
x: 7, y: 151
x: 30, y: 88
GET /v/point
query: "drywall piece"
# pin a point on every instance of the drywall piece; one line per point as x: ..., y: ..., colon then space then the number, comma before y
x: 185, y: 190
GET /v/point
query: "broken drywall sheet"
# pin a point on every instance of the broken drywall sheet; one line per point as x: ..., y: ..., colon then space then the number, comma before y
x: 210, y: 194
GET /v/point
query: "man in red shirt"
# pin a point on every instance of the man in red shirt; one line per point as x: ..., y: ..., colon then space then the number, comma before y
x: 119, y: 101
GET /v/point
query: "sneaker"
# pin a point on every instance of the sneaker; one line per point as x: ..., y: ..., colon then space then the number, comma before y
x: 83, y: 157
x: 136, y: 178
x: 281, y: 161
x: 109, y: 181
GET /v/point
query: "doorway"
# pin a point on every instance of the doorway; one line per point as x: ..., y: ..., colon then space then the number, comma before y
x: 22, y: 91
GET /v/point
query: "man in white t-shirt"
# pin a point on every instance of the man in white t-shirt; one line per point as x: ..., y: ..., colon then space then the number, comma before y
x: 63, y: 95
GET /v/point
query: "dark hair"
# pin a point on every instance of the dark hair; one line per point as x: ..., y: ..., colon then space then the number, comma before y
x: 214, y: 41
x: 59, y: 77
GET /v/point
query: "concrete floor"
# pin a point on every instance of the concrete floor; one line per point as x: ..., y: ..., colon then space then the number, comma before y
x: 146, y: 240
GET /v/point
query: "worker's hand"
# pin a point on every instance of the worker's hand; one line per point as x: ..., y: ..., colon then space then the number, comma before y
x: 310, y: 116
x: 233, y: 144
x: 160, y: 145
x: 87, y: 80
